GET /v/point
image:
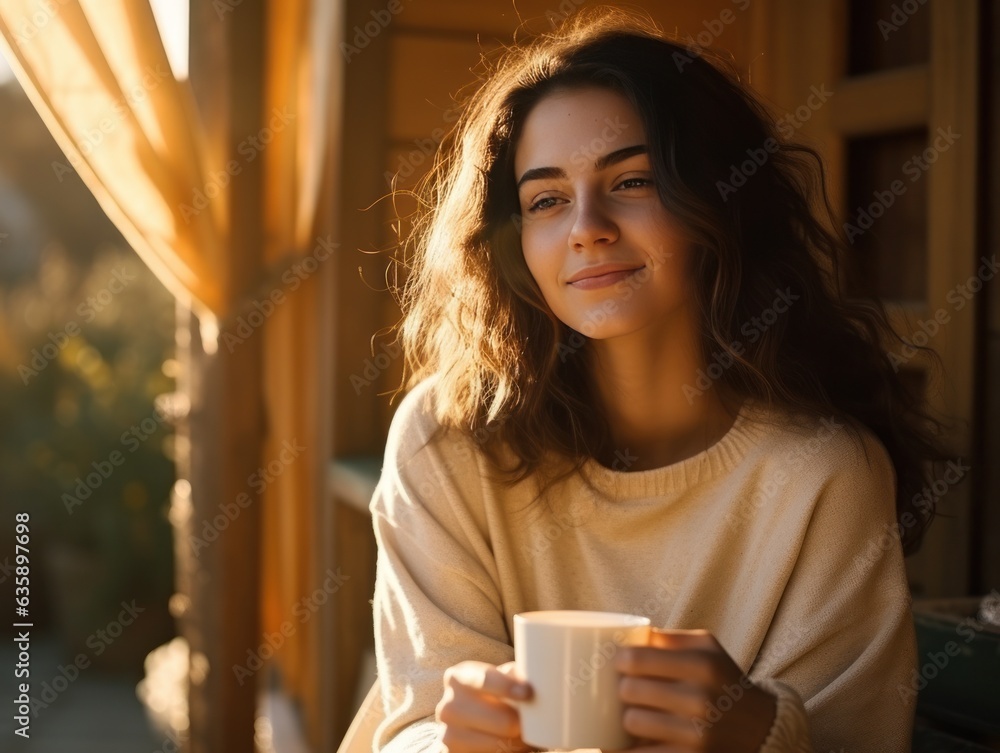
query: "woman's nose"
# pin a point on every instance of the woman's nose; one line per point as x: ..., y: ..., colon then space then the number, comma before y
x: 592, y: 224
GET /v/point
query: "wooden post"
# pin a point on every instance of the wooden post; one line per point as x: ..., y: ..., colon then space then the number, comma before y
x: 357, y: 308
x: 219, y: 612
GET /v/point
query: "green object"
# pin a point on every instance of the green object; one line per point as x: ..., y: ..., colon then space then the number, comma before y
x: 958, y: 680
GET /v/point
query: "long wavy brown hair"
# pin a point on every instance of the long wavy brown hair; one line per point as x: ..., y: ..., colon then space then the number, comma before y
x: 512, y: 375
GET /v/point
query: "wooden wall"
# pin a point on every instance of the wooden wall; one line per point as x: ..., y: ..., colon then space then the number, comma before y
x: 986, y: 517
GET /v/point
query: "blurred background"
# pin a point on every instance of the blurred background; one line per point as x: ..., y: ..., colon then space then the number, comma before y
x: 195, y: 225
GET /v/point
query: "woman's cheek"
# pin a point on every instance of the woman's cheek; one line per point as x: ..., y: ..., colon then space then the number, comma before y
x: 541, y: 266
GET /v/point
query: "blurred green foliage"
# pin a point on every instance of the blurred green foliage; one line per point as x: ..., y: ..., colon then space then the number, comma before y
x: 86, y: 344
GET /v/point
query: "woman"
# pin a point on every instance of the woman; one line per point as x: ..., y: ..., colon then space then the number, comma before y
x: 634, y: 388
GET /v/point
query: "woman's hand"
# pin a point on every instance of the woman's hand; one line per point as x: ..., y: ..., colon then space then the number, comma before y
x: 683, y: 692
x: 475, y: 718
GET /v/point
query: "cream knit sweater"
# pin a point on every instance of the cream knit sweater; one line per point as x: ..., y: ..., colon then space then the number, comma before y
x: 779, y: 539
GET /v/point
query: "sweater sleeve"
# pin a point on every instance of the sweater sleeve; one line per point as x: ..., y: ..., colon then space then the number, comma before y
x: 841, y: 649
x: 436, y: 600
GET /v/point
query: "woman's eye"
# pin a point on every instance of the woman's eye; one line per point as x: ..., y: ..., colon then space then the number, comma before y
x: 636, y: 183
x: 540, y: 204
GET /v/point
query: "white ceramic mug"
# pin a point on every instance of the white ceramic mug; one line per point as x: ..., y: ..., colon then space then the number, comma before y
x: 568, y: 658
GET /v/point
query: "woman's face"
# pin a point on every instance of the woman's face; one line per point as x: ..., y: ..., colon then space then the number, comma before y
x: 608, y: 257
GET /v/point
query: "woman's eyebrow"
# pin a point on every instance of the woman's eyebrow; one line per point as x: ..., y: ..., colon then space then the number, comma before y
x: 619, y: 155
x: 539, y: 173
x: 611, y: 158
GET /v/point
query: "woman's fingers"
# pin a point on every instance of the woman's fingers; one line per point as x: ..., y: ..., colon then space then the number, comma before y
x: 678, y: 698
x: 692, y: 656
x: 697, y: 666
x: 480, y: 713
x: 474, y: 702
x: 666, y: 711
x: 521, y: 685
x: 656, y: 725
x: 488, y: 679
x: 684, y: 689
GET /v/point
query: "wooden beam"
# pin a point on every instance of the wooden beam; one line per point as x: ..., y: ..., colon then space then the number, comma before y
x: 985, y: 550
x: 358, y: 301
x: 322, y: 728
x: 891, y: 100
x: 952, y: 261
x: 226, y: 423
x: 360, y: 274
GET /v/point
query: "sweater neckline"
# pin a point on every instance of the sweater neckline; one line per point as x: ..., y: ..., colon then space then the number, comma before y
x: 718, y: 459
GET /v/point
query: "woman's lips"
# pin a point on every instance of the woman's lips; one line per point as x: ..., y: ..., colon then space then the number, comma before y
x: 603, y: 281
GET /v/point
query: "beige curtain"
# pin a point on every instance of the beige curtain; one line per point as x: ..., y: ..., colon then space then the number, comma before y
x: 98, y: 75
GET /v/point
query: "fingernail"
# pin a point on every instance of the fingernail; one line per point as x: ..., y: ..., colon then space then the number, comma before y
x: 520, y: 691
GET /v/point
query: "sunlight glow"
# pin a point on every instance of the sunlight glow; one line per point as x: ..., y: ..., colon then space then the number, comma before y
x: 6, y: 74
x: 172, y: 17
